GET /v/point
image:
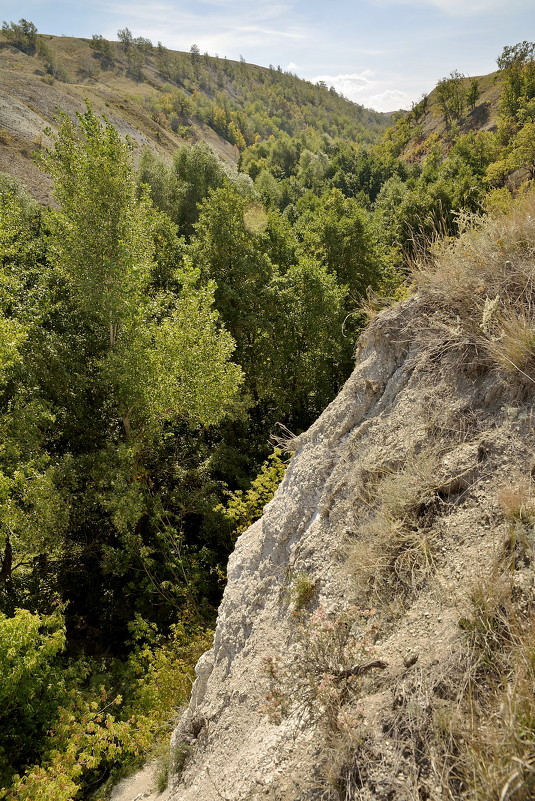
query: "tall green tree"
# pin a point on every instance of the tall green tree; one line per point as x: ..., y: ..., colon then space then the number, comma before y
x: 102, y: 243
x: 22, y: 34
x: 198, y: 170
x: 123, y: 372
x: 341, y: 235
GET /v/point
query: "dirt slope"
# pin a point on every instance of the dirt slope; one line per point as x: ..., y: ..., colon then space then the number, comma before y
x: 156, y: 96
x: 29, y: 100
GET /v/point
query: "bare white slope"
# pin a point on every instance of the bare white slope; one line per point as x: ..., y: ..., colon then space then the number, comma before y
x: 399, y: 395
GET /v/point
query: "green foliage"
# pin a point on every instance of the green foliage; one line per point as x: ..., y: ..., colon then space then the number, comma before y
x: 71, y: 717
x: 339, y: 233
x: 101, y: 242
x: 451, y: 96
x: 128, y: 434
x: 198, y: 171
x: 274, y: 311
x: 28, y: 695
x: 308, y: 319
x: 517, y: 64
x: 161, y: 670
x: 103, y: 48
x: 22, y: 34
x: 301, y: 592
x: 243, y: 507
x: 124, y: 35
x: 160, y: 180
x: 108, y: 335
x: 52, y: 63
x: 17, y: 250
x: 523, y: 150
x: 472, y: 94
x: 225, y: 95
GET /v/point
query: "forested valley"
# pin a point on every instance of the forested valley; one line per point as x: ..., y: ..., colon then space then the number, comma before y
x: 165, y: 327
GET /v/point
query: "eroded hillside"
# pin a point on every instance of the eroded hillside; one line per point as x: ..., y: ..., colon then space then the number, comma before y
x: 159, y: 98
x: 375, y: 639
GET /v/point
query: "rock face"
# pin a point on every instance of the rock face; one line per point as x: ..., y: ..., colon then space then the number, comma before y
x: 386, y: 519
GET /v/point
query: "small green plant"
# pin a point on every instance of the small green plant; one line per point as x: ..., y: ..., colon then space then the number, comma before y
x: 163, y: 758
x: 302, y: 591
x: 179, y: 757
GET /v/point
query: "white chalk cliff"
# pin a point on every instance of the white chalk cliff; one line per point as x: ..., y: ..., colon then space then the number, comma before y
x: 418, y: 442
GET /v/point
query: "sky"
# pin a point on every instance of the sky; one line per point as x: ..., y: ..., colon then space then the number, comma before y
x: 384, y: 54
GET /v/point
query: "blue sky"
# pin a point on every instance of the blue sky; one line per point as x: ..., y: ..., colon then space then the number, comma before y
x: 382, y: 53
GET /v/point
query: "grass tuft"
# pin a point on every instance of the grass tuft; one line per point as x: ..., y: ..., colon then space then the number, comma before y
x: 479, y: 290
x: 395, y: 550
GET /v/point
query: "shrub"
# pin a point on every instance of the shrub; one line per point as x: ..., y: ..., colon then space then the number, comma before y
x: 320, y: 681
x: 22, y: 35
x: 93, y: 732
x: 30, y: 685
x: 301, y: 591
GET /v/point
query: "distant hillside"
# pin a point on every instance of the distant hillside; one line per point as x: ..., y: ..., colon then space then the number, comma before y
x: 457, y: 105
x: 159, y: 98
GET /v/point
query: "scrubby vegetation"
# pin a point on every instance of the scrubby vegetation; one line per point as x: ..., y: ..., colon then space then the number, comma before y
x: 156, y: 325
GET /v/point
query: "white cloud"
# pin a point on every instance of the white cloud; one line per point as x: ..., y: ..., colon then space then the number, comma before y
x: 368, y: 89
x: 389, y: 100
x: 226, y: 28
x: 465, y: 7
x: 352, y: 85
x: 292, y: 67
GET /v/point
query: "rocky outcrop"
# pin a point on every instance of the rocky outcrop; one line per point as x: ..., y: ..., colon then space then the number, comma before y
x: 388, y: 516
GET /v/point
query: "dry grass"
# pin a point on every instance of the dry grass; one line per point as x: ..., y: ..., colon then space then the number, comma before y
x: 492, y: 258
x: 517, y: 500
x: 513, y: 346
x: 480, y: 289
x: 499, y: 745
x: 498, y: 702
x: 462, y: 729
x: 321, y: 683
x: 396, y: 549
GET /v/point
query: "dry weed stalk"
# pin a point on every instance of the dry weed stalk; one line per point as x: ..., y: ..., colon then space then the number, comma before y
x: 319, y: 681
x: 500, y: 746
x: 463, y: 729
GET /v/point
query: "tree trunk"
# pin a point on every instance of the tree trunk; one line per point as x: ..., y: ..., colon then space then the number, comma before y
x: 7, y: 563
